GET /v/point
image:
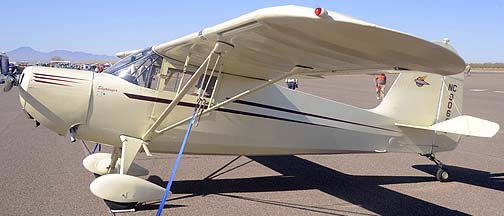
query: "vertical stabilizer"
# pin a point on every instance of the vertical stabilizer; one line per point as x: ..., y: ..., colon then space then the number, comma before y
x: 422, y: 100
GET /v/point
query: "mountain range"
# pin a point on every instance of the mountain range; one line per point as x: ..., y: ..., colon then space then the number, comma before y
x: 33, y: 56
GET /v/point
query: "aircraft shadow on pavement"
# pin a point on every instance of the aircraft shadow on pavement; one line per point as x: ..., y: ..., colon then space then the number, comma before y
x: 468, y: 176
x: 155, y: 206
x: 300, y: 174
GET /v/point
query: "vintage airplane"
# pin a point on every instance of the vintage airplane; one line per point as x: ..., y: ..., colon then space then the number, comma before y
x: 225, y: 76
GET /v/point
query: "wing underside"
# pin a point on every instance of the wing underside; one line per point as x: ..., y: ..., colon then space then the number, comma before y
x: 271, y: 41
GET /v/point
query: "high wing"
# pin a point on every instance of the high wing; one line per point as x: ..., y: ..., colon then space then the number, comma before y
x: 272, y: 40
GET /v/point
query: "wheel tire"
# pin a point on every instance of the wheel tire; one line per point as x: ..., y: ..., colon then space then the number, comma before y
x: 120, y: 206
x: 442, y: 175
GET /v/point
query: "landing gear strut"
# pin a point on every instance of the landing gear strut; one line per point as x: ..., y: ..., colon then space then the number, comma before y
x: 118, y: 184
x: 441, y: 173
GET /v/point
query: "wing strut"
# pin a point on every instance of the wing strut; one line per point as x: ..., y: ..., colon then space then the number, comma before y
x: 188, y: 58
x: 296, y: 70
x: 202, y: 69
x: 201, y: 102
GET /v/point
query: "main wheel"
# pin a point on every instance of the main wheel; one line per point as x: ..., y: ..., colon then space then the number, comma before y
x: 442, y: 175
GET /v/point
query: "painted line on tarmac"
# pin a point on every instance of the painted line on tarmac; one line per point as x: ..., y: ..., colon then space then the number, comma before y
x: 500, y: 92
x: 478, y: 90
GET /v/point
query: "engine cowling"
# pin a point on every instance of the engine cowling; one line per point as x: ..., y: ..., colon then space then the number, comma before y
x: 57, y: 98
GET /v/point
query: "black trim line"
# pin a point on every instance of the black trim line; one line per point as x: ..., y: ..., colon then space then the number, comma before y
x: 306, y: 114
x: 49, y: 75
x: 159, y: 100
x: 224, y: 42
x: 302, y: 66
x: 272, y: 117
x: 187, y: 104
x: 47, y: 78
x: 46, y: 82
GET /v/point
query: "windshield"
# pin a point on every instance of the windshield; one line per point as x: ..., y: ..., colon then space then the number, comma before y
x: 138, y: 68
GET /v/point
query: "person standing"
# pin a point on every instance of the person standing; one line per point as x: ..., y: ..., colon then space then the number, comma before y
x: 100, y: 68
x: 380, y: 82
x: 467, y: 70
x: 292, y: 83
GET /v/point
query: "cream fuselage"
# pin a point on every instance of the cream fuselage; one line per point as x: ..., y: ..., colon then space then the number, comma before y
x: 272, y: 121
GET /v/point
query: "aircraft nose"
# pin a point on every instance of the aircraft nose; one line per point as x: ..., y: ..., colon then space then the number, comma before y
x: 57, y: 98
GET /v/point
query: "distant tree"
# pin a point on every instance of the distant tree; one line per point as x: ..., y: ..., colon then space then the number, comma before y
x: 487, y: 65
x: 56, y: 58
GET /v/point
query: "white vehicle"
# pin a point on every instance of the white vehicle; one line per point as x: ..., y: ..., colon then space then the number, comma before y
x: 226, y: 76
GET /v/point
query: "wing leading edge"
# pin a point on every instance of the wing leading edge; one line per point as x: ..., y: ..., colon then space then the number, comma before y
x: 271, y: 41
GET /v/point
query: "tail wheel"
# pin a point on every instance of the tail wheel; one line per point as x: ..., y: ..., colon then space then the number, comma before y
x: 442, y: 175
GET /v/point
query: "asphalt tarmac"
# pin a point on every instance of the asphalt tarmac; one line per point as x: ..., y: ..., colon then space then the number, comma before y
x: 41, y: 173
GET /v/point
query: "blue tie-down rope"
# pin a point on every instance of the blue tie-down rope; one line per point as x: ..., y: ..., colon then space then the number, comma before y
x: 97, y: 146
x: 175, y: 166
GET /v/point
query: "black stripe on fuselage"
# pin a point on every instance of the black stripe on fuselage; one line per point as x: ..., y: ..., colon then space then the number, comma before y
x: 271, y: 117
x: 306, y: 114
x: 158, y: 100
x: 186, y: 104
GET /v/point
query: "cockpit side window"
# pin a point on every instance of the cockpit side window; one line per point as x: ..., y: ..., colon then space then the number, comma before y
x: 177, y: 79
x: 207, y: 84
x: 146, y: 72
x: 143, y: 68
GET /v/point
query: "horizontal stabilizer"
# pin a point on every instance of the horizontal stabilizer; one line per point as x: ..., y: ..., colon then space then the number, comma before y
x: 463, y: 125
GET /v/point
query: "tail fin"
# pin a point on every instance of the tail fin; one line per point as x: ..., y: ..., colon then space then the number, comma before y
x: 423, y: 99
x: 428, y: 108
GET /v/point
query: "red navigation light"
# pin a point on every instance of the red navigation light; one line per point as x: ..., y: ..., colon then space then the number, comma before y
x: 320, y: 12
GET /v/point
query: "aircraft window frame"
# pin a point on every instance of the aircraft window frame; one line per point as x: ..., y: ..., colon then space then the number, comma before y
x: 176, y: 80
x: 127, y: 61
x: 134, y: 67
x: 149, y: 68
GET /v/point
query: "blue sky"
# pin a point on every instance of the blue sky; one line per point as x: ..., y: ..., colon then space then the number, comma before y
x: 475, y: 28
